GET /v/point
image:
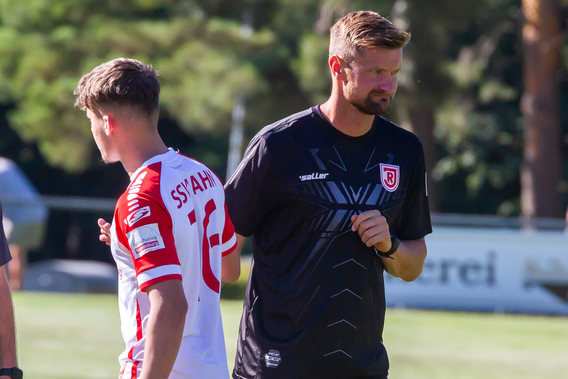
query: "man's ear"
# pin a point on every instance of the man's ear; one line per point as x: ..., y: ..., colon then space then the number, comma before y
x: 335, y: 67
x: 109, y: 124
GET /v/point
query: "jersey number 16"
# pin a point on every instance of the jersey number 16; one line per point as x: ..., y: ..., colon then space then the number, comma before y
x: 208, y: 244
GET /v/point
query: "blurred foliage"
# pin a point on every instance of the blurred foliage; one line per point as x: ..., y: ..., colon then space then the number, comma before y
x: 45, y: 47
x: 479, y: 130
x: 472, y: 74
x: 464, y: 61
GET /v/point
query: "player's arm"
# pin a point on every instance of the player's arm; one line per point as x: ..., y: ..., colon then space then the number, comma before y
x: 231, y: 266
x: 406, y: 262
x: 168, y: 307
x: 7, y: 330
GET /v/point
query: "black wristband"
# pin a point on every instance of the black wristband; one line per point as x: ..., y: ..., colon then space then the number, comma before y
x: 395, y: 242
x: 12, y: 372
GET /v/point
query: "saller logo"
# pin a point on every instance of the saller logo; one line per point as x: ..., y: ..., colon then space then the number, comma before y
x: 313, y: 176
x: 390, y: 176
x: 137, y: 215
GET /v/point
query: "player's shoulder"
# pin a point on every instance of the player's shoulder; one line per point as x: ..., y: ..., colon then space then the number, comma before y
x: 393, y: 132
x: 141, y: 197
x: 287, y: 126
x: 186, y: 168
x: 146, y: 180
x: 143, y: 183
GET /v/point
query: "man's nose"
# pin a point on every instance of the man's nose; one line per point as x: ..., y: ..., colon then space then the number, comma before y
x: 388, y: 84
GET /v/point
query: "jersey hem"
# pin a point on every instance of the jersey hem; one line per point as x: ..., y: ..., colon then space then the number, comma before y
x: 164, y: 278
x: 230, y: 250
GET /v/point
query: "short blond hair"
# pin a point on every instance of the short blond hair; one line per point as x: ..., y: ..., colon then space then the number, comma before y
x: 361, y: 29
x: 119, y: 82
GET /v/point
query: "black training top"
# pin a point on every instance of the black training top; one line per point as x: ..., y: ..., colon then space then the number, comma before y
x: 5, y: 256
x: 315, y: 303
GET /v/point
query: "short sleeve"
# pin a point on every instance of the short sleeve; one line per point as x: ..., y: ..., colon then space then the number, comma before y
x: 229, y: 239
x: 145, y: 228
x: 5, y: 256
x: 416, y: 213
x: 252, y: 190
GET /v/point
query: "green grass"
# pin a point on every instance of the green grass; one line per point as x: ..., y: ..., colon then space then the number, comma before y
x: 424, y: 344
x: 65, y: 336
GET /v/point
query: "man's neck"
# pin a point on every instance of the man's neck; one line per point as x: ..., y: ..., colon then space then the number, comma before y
x: 141, y: 152
x: 346, y: 118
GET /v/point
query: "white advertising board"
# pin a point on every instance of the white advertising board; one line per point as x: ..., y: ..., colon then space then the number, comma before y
x: 489, y: 270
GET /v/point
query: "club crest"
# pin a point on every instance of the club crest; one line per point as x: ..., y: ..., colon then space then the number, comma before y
x: 390, y: 176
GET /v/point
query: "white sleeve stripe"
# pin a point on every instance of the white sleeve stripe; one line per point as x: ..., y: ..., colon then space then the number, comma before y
x: 229, y: 244
x: 157, y: 272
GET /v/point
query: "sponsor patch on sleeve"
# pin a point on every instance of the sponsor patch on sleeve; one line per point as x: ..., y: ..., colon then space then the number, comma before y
x: 144, y: 239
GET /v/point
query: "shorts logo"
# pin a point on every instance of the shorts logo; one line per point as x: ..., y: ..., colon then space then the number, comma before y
x: 137, y: 215
x: 144, y: 239
x: 390, y: 176
x: 272, y: 358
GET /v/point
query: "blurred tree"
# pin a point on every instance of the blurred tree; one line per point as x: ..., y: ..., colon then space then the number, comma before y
x: 542, y: 166
x: 459, y: 91
x: 45, y: 46
x: 478, y: 121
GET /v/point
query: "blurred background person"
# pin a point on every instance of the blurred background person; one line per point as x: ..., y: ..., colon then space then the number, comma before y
x: 24, y: 220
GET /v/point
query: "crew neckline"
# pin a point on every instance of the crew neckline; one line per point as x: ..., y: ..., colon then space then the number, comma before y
x: 325, y: 123
x: 154, y: 159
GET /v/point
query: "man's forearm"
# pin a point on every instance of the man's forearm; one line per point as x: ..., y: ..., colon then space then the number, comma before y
x: 163, y: 339
x: 7, y: 329
x: 231, y: 269
x: 408, y: 261
x: 164, y: 331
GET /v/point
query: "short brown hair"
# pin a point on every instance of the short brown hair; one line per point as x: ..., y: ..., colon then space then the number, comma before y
x: 119, y: 82
x: 358, y: 30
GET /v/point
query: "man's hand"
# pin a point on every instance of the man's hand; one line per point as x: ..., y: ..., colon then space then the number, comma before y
x: 410, y: 255
x: 105, y: 231
x: 373, y: 229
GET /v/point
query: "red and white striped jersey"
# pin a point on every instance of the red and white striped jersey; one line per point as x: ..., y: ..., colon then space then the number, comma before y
x: 171, y: 223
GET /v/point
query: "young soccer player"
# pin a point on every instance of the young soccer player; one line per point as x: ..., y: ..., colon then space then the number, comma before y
x: 170, y: 232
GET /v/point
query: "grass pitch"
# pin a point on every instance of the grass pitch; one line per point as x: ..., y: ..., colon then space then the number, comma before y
x: 70, y: 336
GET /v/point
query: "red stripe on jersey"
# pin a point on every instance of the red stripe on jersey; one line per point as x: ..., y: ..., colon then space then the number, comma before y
x: 228, y: 233
x: 145, y: 285
x: 192, y: 218
x: 139, y: 334
x: 135, y: 370
x: 229, y: 229
x: 214, y: 240
x: 208, y: 275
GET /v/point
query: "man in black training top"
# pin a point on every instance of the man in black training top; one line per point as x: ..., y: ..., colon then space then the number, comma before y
x: 332, y: 196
